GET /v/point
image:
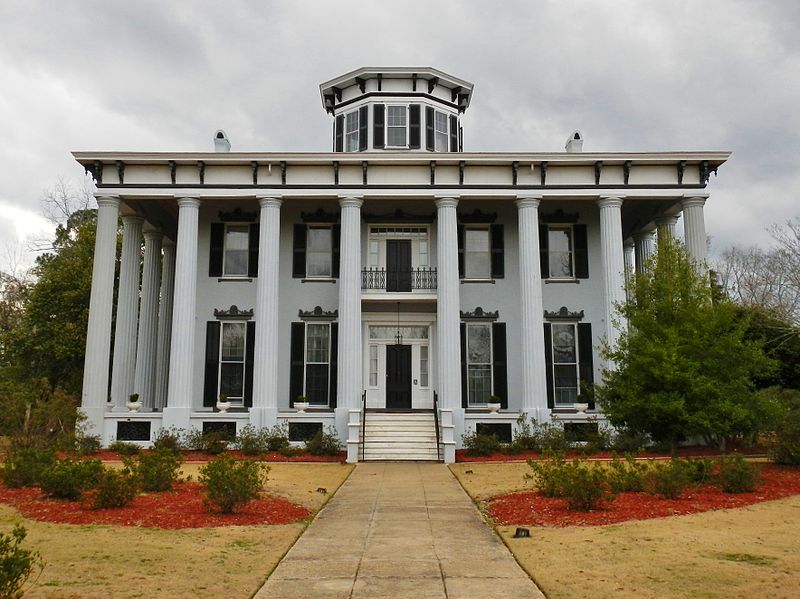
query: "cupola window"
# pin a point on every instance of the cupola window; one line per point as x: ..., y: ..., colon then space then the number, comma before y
x: 396, y: 126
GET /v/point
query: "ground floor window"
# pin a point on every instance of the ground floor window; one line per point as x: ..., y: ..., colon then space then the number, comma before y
x: 231, y: 361
x: 317, y: 362
x: 313, y: 362
x: 479, y: 362
x: 569, y: 358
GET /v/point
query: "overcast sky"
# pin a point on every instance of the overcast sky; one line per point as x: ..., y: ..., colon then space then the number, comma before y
x: 629, y: 74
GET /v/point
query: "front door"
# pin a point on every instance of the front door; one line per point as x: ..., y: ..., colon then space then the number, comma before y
x: 398, y: 377
x: 398, y: 265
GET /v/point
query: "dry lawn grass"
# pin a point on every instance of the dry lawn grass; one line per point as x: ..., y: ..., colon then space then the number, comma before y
x: 747, y: 552
x: 113, y: 561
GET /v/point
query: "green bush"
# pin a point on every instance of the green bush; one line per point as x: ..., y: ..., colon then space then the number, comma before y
x: 786, y: 447
x: 551, y: 437
x: 158, y: 470
x: 549, y: 474
x: 115, y: 488
x: 324, y: 443
x: 212, y: 443
x: 627, y: 475
x: 625, y: 440
x: 87, y: 444
x: 667, y: 479
x: 525, y: 438
x: 68, y: 479
x: 597, y: 440
x: 737, y: 475
x: 253, y: 441
x: 700, y: 470
x: 16, y: 563
x: 586, y: 486
x: 25, y: 462
x: 231, y: 483
x: 124, y: 448
x: 477, y: 445
x: 168, y: 438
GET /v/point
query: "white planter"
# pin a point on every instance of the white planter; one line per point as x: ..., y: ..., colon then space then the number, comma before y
x: 301, y: 406
x: 493, y: 407
x: 133, y: 406
x: 223, y: 406
x: 581, y: 407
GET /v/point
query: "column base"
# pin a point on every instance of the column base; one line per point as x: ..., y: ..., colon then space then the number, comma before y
x: 263, y: 417
x: 94, y: 424
x: 176, y: 417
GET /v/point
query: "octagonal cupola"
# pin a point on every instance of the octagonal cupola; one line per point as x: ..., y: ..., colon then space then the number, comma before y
x: 396, y: 109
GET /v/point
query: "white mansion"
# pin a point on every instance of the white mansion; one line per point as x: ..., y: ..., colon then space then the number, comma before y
x: 400, y: 285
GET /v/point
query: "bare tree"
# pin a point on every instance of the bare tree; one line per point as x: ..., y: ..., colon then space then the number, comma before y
x: 60, y: 204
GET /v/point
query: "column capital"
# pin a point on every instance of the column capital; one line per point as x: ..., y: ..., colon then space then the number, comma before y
x: 270, y: 201
x: 351, y: 201
x: 643, y: 236
x: 445, y: 201
x: 167, y: 243
x: 131, y: 219
x: 628, y: 243
x: 666, y: 220
x: 102, y: 200
x: 529, y: 201
x: 189, y: 202
x: 611, y: 201
x: 692, y: 200
x: 155, y: 235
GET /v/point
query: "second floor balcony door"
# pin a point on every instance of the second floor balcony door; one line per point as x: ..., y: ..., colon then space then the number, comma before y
x: 398, y: 265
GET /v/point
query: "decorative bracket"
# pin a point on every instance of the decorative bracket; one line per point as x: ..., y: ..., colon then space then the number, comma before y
x: 121, y: 171
x: 598, y: 168
x: 336, y: 172
x: 364, y: 167
x: 543, y: 173
x: 461, y: 165
x: 233, y: 313
x: 433, y: 172
x: 681, y: 170
x: 514, y: 172
x: 361, y: 84
x: 173, y: 169
x: 201, y: 171
x: 626, y: 171
x: 283, y: 172
x: 563, y: 314
x: 432, y: 83
x: 254, y: 168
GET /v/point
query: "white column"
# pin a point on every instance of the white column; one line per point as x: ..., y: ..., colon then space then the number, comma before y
x: 145, y: 378
x: 349, y: 351
x: 666, y: 226
x: 164, y: 323
x: 181, y: 385
x: 265, y: 373
x: 534, y: 381
x: 98, y: 334
x: 694, y: 230
x: 448, y: 318
x: 123, y: 369
x: 612, y: 260
x: 643, y: 248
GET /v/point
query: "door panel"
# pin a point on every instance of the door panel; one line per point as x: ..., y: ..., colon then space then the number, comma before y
x: 398, y: 377
x: 398, y: 265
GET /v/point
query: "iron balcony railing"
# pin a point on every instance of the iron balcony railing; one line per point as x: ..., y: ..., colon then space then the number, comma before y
x: 398, y: 279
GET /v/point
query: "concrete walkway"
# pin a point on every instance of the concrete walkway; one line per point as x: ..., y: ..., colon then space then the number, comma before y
x: 399, y: 530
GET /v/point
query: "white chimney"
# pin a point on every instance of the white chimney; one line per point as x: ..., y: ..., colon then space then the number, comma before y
x: 575, y: 142
x: 221, y: 142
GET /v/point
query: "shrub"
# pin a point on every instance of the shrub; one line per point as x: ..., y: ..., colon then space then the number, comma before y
x: 324, y: 443
x: 231, y: 483
x: 525, y: 438
x: 213, y: 443
x: 737, y: 475
x: 68, y: 479
x: 476, y: 444
x: 277, y: 439
x: 585, y: 486
x: 115, y: 488
x: 252, y: 441
x: 627, y: 475
x: 157, y: 470
x: 124, y: 448
x: 625, y: 440
x: 25, y: 462
x: 168, y: 438
x: 597, y: 440
x: 551, y: 437
x: 668, y: 479
x: 549, y: 475
x: 701, y: 470
x: 16, y: 563
x: 87, y: 444
x: 786, y: 448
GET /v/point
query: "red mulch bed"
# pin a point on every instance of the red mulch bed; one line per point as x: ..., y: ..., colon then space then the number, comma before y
x: 199, y: 456
x: 531, y: 508
x: 683, y: 452
x: 180, y: 508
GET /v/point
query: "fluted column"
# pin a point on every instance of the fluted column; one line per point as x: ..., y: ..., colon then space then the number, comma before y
x: 666, y: 227
x: 164, y: 323
x: 643, y: 248
x: 694, y: 230
x: 534, y: 382
x: 448, y: 341
x: 265, y: 374
x: 181, y: 360
x: 612, y: 260
x: 349, y: 381
x: 101, y: 301
x: 124, y: 367
x: 145, y: 378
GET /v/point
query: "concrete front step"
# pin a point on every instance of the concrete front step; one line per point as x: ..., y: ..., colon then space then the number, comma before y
x: 400, y: 436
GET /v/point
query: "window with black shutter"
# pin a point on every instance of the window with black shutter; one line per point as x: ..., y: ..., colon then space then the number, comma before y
x: 414, y: 126
x: 379, y: 122
x: 252, y: 261
x: 299, y: 252
x: 499, y: 362
x: 363, y: 116
x: 217, y: 249
x: 338, y: 137
x: 569, y: 361
x: 563, y: 251
x: 581, y: 251
x: 544, y: 258
x: 498, y: 260
x: 296, y: 360
x: 429, y: 129
x: 453, y: 133
x: 249, y: 363
x: 211, y: 376
x: 585, y: 358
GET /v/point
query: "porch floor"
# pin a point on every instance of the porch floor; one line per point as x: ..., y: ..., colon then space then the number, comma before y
x: 399, y: 530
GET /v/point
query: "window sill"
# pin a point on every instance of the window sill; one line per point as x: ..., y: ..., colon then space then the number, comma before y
x: 557, y: 281
x: 490, y: 281
x: 234, y: 280
x: 319, y: 280
x: 315, y: 409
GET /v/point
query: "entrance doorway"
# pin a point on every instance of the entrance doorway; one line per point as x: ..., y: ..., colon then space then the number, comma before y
x: 398, y: 265
x: 398, y: 377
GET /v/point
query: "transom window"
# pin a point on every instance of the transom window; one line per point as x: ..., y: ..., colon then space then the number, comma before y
x: 231, y: 361
x: 389, y: 332
x: 351, y: 131
x: 236, y: 250
x: 479, y: 362
x: 317, y: 363
x: 565, y: 364
x: 560, y: 252
x: 319, y: 259
x: 441, y: 132
x: 396, y: 126
x: 477, y: 253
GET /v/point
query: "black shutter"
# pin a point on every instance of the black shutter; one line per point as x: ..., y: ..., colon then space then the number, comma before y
x: 379, y: 126
x: 338, y: 144
x: 413, y: 127
x: 453, y: 133
x: 217, y: 249
x: 581, y: 252
x: 498, y: 262
x: 363, y: 115
x: 248, y: 364
x: 252, y: 253
x: 299, y: 252
x: 548, y: 361
x: 336, y: 233
x: 429, y: 143
x: 544, y: 259
x: 460, y: 236
x: 499, y: 361
x: 334, y: 363
x: 464, y: 390
x: 585, y: 355
x: 296, y: 362
x: 210, y: 385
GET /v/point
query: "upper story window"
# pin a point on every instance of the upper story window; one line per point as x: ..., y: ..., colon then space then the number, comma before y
x: 441, y: 132
x: 561, y: 252
x: 351, y: 131
x: 396, y: 126
x: 236, y: 249
x: 563, y: 249
x: 316, y: 251
x: 477, y: 254
x: 233, y: 250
